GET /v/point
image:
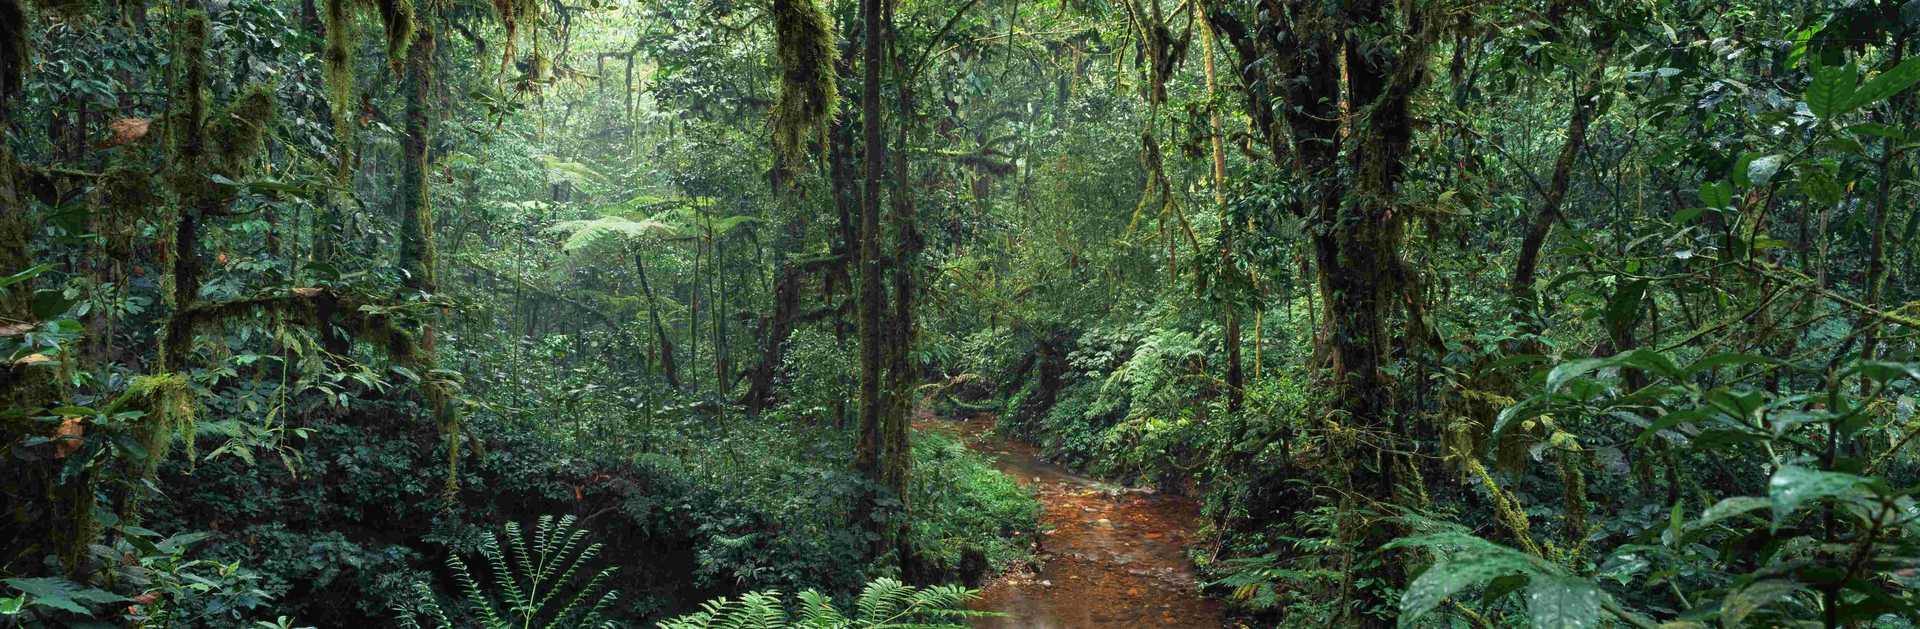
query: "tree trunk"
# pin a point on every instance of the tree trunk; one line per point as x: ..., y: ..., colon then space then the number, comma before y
x: 416, y: 237
x: 1236, y: 376
x: 786, y: 302
x: 1321, y: 75
x: 900, y: 373
x: 659, y: 331
x: 1585, y: 104
x: 873, y: 458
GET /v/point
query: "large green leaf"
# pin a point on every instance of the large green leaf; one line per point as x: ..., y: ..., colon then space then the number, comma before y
x: 1463, y: 560
x: 1563, y: 602
x: 62, y: 594
x: 1456, y: 572
x: 1793, y: 486
x: 25, y: 275
x: 1886, y: 84
x: 1728, y: 508
x: 1657, y: 363
x: 1523, y: 410
x: 1831, y: 90
x: 1567, y: 371
x: 1761, y: 169
x: 1884, y: 370
x: 1743, y: 602
x: 1717, y: 194
x: 1623, y: 308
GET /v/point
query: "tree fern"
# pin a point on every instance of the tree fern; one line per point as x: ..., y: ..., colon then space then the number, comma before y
x: 884, y: 604
x: 612, y: 229
x: 531, y: 582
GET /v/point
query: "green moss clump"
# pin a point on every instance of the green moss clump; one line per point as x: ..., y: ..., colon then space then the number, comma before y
x: 808, y: 96
x: 167, y: 400
x: 398, y: 17
x: 337, y: 59
x: 189, y: 170
x: 241, y: 130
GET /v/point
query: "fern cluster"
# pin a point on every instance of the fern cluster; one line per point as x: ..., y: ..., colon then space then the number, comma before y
x: 531, y: 582
x: 885, y: 603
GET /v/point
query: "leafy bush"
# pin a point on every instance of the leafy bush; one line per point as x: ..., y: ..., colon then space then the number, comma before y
x: 1826, y: 539
x: 157, y: 585
x: 818, y: 367
x: 963, y: 507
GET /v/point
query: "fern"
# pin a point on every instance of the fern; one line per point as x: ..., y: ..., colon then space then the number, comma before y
x: 532, y: 576
x: 884, y: 604
x: 582, y: 234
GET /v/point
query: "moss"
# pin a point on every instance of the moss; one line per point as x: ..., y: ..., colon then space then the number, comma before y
x: 75, y: 528
x: 241, y: 129
x: 1573, y: 461
x: 167, y: 401
x: 398, y: 17
x: 16, y: 230
x: 337, y: 67
x: 125, y: 194
x: 512, y: 14
x: 808, y: 96
x: 188, y: 161
x: 416, y: 214
x: 1505, y: 507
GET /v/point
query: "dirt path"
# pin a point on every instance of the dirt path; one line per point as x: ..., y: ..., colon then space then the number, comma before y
x: 1108, y: 557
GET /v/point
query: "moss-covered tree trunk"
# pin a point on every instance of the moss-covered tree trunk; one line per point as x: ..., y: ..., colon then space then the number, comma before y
x: 808, y: 93
x: 42, y: 515
x: 901, y: 376
x: 416, y: 234
x: 875, y: 455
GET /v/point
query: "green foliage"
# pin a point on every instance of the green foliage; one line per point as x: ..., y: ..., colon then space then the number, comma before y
x: 582, y: 234
x: 55, y: 594
x: 883, y: 603
x: 1727, y: 419
x: 156, y: 583
x: 1720, y: 197
x: 536, y: 578
x: 1555, y: 598
x: 965, y: 506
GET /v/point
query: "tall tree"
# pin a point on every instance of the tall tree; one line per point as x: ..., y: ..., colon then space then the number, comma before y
x: 880, y: 455
x: 417, y: 254
x: 1329, y: 87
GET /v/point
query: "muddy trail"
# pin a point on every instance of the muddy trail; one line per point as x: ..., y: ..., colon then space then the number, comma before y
x: 1108, y: 557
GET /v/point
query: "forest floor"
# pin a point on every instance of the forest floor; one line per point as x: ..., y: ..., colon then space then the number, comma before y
x: 1108, y: 556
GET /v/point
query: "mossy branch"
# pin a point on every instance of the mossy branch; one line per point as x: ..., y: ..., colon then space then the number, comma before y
x: 808, y: 95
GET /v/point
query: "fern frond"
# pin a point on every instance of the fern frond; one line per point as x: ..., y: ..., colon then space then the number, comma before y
x: 593, y: 585
x: 477, y: 599
x: 817, y: 612
x: 547, y: 559
x: 883, y: 598
x: 883, y: 604
x: 503, y: 580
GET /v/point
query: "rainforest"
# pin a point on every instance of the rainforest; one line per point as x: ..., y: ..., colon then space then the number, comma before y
x: 1050, y: 314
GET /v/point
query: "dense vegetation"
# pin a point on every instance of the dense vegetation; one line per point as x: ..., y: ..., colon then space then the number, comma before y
x: 1451, y: 313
